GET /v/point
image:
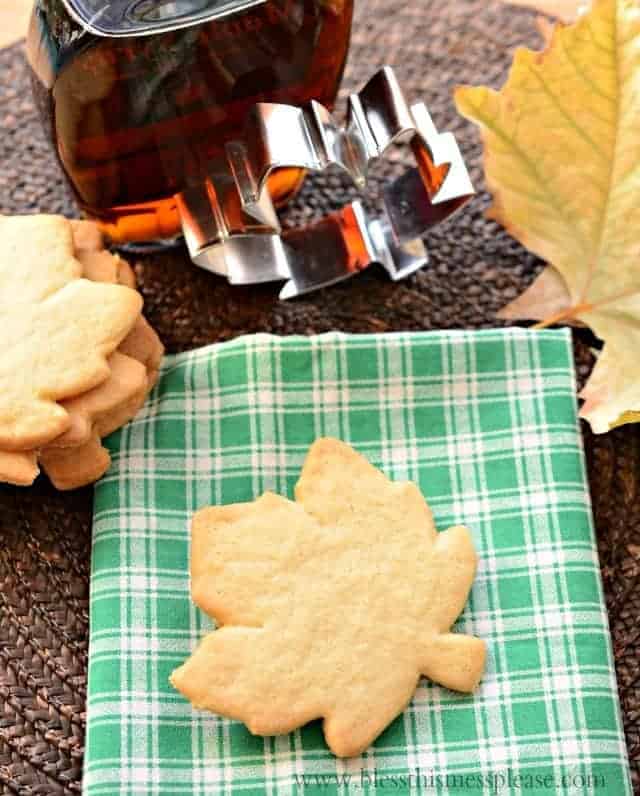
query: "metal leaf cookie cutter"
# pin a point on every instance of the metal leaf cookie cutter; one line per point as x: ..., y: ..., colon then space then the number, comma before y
x: 230, y: 222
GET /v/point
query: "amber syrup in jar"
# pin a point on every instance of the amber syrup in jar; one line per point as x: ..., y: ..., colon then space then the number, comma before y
x: 136, y: 117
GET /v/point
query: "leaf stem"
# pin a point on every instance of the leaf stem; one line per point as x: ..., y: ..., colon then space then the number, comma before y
x: 564, y: 315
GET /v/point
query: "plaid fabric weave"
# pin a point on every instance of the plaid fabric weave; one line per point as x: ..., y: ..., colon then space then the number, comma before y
x: 485, y: 423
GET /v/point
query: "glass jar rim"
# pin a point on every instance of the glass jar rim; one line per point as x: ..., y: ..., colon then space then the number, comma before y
x: 149, y: 17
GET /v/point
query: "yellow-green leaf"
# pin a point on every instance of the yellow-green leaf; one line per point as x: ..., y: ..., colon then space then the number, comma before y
x: 562, y: 159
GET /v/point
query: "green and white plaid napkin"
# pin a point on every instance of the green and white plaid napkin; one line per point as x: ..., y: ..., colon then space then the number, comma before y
x: 485, y: 423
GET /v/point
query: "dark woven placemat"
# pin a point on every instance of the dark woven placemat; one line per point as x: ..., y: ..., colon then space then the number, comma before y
x: 475, y: 268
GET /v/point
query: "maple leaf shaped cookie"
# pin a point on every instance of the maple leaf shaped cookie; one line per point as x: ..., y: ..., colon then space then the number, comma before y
x: 329, y: 607
x: 58, y: 329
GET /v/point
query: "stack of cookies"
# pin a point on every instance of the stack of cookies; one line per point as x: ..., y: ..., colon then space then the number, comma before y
x: 79, y: 358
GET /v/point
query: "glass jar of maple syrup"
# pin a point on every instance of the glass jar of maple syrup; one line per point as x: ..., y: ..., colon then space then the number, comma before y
x: 139, y: 96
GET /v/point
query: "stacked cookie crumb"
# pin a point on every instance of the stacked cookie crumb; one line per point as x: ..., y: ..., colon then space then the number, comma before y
x: 80, y: 358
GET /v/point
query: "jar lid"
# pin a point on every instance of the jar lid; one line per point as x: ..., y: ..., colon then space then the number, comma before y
x: 147, y: 17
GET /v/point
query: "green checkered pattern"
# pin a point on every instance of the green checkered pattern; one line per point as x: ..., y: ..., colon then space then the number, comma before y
x: 485, y: 423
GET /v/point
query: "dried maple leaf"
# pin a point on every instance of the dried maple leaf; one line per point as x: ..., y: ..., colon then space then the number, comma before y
x: 562, y: 159
x: 331, y: 606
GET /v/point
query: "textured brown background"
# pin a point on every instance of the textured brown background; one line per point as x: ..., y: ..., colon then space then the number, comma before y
x: 475, y: 268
